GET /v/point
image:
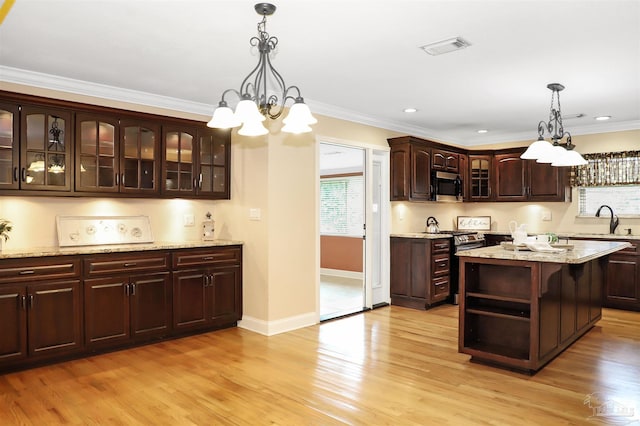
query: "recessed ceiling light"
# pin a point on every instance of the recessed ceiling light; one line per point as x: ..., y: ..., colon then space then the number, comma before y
x: 445, y: 46
x: 482, y: 131
x: 410, y: 110
x: 603, y: 117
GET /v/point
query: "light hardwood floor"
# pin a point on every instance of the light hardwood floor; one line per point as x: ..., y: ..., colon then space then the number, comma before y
x: 389, y: 366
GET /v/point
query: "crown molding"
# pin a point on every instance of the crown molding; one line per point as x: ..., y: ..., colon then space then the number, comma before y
x: 86, y: 88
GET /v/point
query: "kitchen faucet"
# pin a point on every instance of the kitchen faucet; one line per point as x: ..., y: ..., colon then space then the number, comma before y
x: 614, y: 219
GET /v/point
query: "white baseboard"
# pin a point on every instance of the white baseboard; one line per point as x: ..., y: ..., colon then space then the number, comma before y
x: 270, y: 328
x: 341, y: 273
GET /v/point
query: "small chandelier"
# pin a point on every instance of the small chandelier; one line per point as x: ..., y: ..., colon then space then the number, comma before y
x: 557, y: 153
x: 256, y: 101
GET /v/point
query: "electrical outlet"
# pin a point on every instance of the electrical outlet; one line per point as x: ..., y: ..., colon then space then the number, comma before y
x: 255, y: 214
x: 188, y: 220
x: 545, y: 215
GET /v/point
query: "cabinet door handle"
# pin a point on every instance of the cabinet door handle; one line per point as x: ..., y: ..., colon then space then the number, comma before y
x: 122, y: 179
x: 15, y: 174
x: 200, y: 181
x: 206, y: 280
x: 126, y: 289
x: 127, y: 265
x: 207, y: 258
x: 24, y: 174
x: 31, y: 300
x: 133, y: 289
x: 117, y: 179
x: 23, y: 303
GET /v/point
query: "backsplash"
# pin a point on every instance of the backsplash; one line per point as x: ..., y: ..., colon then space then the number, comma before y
x: 34, y: 218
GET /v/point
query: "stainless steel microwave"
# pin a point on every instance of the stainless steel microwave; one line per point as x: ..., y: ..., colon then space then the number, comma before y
x: 447, y: 186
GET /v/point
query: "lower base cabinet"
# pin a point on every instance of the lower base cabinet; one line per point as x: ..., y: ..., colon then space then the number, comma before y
x: 67, y: 306
x: 207, y: 296
x: 622, y: 290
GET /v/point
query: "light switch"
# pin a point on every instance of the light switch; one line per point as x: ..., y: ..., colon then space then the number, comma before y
x: 545, y: 215
x: 188, y: 220
x: 254, y: 214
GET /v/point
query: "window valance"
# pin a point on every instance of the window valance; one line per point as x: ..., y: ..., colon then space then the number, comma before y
x: 608, y: 169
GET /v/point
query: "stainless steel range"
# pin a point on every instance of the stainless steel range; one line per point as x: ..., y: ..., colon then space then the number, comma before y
x: 462, y: 240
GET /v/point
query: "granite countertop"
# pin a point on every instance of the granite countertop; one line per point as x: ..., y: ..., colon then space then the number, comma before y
x: 565, y: 235
x: 115, y: 248
x: 424, y: 235
x: 582, y: 251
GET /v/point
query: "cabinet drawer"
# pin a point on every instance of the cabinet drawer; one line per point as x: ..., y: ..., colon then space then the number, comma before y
x: 207, y: 257
x: 440, y: 246
x: 16, y: 270
x: 440, y: 287
x: 118, y: 263
x: 440, y: 265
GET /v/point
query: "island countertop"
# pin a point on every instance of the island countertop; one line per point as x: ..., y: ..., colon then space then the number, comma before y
x: 582, y: 251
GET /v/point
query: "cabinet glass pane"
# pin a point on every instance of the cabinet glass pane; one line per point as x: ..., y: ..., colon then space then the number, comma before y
x: 172, y: 146
x: 35, y: 168
x: 218, y: 179
x: 57, y: 134
x: 6, y: 147
x: 56, y: 169
x: 147, y: 144
x: 207, y: 183
x: 131, y: 142
x: 131, y: 173
x: 146, y: 174
x: 219, y: 156
x: 88, y: 171
x: 172, y: 175
x: 106, y: 139
x: 6, y: 165
x: 186, y: 183
x: 35, y: 131
x: 205, y: 150
x: 6, y: 129
x: 88, y: 137
x: 186, y: 148
x: 106, y: 172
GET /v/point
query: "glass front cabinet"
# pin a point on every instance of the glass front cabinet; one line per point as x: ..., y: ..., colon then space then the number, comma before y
x: 9, y: 149
x: 46, y: 149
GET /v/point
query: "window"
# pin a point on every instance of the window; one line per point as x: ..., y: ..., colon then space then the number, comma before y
x: 341, y: 205
x: 624, y: 200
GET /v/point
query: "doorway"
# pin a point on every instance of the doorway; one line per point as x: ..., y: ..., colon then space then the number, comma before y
x: 353, y: 229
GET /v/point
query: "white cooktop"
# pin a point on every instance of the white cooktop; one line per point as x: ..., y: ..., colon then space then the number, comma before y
x: 97, y: 230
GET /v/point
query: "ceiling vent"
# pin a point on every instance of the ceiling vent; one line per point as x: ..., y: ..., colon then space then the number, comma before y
x: 445, y: 46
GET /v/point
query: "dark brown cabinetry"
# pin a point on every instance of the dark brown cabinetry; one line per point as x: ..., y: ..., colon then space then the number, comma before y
x: 50, y: 147
x: 525, y: 180
x: 480, y: 179
x: 622, y: 289
x: 40, y: 309
x: 445, y: 161
x: 126, y: 297
x: 410, y: 170
x: 521, y: 314
x: 53, y: 308
x: 419, y: 271
x: 97, y: 153
x: 196, y: 162
x: 9, y: 146
x: 207, y: 288
x: 45, y: 149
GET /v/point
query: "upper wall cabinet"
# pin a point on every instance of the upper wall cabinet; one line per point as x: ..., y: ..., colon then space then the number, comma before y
x: 445, y: 161
x: 45, y: 149
x: 479, y: 181
x: 525, y: 180
x: 196, y: 162
x: 9, y: 148
x: 410, y: 170
x: 97, y: 154
x: 50, y: 147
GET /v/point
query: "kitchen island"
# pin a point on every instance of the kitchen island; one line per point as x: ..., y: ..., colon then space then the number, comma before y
x: 520, y: 309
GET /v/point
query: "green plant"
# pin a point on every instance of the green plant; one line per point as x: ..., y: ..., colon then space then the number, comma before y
x: 5, y: 228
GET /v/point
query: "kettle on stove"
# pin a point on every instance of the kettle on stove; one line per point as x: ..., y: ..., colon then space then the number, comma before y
x: 432, y: 225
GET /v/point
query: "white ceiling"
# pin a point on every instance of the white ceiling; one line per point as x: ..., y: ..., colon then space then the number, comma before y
x: 352, y: 59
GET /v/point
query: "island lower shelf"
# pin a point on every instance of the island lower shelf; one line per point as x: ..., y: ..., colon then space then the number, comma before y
x: 520, y: 314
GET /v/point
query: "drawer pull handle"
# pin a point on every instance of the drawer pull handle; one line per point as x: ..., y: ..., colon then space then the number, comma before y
x: 126, y: 265
x: 27, y: 272
x: 207, y: 258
